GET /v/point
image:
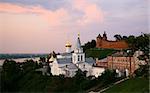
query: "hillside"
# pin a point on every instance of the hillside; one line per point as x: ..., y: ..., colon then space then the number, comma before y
x: 134, y: 85
x: 98, y: 53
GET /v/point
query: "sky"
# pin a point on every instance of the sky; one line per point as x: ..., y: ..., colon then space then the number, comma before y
x: 43, y: 26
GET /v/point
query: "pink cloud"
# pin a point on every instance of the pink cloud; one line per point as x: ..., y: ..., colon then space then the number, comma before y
x: 92, y: 14
x: 54, y: 18
x: 61, y: 16
x: 5, y: 7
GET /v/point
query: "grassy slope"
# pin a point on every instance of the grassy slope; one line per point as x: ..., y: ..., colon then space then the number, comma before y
x: 98, y: 53
x: 134, y: 85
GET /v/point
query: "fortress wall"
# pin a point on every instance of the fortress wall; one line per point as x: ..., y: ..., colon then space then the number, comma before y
x: 111, y: 44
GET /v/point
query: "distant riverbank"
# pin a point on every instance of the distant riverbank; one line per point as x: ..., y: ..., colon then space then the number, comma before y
x: 20, y: 60
x: 20, y: 57
x: 17, y: 56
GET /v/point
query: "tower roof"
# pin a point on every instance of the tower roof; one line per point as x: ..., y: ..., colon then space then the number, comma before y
x: 78, y: 44
x: 99, y: 36
x: 104, y: 35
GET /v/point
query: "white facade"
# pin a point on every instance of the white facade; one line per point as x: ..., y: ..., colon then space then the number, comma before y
x: 85, y: 67
x: 55, y: 70
x: 68, y: 63
x: 78, y: 57
x: 96, y: 71
x: 68, y: 49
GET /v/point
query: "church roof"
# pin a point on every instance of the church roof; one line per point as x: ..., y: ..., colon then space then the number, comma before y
x: 103, y: 60
x: 120, y: 54
x: 66, y: 63
x: 90, y: 61
x: 65, y: 54
x: 70, y: 66
x: 64, y: 60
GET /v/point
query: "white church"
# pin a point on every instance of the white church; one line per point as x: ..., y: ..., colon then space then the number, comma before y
x: 68, y: 63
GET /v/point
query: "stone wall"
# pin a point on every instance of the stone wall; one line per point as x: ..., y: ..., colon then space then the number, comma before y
x: 100, y: 43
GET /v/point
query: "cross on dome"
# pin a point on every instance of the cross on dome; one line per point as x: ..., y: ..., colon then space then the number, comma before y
x: 78, y: 34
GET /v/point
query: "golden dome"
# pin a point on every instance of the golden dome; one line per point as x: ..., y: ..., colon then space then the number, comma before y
x: 68, y: 44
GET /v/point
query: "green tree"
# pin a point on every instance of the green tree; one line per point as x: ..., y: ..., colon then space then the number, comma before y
x: 109, y: 76
x: 89, y: 45
x: 131, y: 41
x: 118, y: 37
x: 124, y: 37
x: 9, y: 76
x: 143, y: 70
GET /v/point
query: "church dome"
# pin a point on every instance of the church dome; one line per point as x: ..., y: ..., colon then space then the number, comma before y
x: 68, y: 44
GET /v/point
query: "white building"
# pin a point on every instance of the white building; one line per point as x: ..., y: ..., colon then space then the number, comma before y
x: 68, y: 63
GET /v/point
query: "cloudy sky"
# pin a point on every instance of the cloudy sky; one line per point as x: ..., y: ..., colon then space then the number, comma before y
x: 41, y: 26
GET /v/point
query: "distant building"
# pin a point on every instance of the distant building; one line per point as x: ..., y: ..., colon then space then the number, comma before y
x: 102, y: 63
x: 102, y: 42
x: 121, y: 62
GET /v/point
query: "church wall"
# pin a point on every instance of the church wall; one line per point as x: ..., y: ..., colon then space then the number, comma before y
x: 96, y: 71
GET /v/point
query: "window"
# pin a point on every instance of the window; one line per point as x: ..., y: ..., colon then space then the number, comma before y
x: 78, y: 58
x: 81, y: 58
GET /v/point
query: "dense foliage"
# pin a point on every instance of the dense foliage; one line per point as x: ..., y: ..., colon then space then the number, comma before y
x: 143, y: 71
x: 99, y: 53
x: 12, y: 72
x: 136, y: 42
x: 89, y: 45
x: 22, y: 77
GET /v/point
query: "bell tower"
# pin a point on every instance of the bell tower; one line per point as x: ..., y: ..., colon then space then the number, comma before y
x: 78, y: 55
